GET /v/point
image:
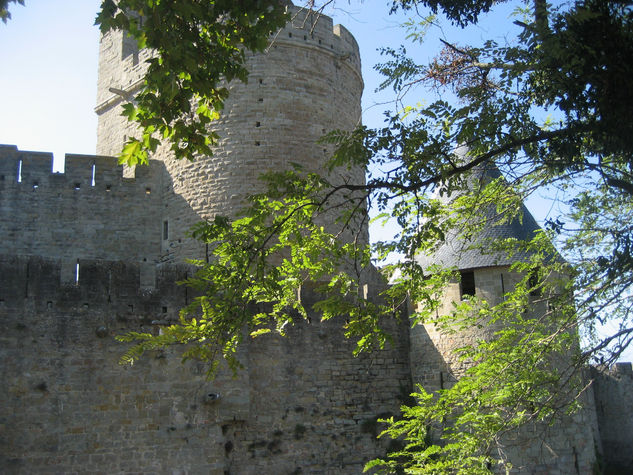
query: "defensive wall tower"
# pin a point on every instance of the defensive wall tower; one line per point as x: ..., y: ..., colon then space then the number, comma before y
x: 307, y: 83
x: 487, y: 274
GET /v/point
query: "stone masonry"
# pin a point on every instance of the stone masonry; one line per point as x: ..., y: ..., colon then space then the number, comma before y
x: 96, y: 251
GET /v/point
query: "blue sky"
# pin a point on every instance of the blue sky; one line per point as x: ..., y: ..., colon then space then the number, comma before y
x: 48, y: 80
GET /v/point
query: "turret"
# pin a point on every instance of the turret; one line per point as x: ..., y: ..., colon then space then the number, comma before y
x: 487, y: 274
x: 307, y: 83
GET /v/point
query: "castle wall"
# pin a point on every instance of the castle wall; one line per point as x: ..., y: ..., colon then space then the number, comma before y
x: 301, y: 405
x: 72, y: 216
x: 613, y: 392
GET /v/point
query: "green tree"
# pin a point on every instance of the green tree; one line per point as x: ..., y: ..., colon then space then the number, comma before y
x: 199, y: 46
x: 4, y: 9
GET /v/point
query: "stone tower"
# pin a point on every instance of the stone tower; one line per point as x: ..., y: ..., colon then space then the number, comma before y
x: 487, y: 274
x: 307, y: 83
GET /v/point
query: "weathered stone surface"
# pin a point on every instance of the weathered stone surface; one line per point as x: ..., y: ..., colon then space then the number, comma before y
x: 96, y: 251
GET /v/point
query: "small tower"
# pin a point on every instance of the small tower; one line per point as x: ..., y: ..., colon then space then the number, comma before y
x: 483, y: 273
x: 307, y: 83
x: 487, y: 275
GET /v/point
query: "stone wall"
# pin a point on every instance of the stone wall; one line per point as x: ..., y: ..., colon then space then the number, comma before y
x: 613, y: 390
x: 88, y: 212
x: 302, y: 404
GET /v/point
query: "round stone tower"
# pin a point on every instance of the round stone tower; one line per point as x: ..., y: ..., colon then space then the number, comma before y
x: 308, y: 82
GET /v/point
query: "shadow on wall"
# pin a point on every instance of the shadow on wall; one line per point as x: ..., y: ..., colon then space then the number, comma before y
x: 89, y: 212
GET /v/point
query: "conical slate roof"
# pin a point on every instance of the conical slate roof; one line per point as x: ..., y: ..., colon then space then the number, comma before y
x: 474, y: 251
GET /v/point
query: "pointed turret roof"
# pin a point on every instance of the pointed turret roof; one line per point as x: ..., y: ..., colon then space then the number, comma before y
x: 464, y: 250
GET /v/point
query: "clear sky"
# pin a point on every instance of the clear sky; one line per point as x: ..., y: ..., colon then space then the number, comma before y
x: 48, y: 71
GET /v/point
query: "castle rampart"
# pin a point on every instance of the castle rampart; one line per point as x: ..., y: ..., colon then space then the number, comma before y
x: 300, y: 405
x: 97, y: 251
x: 88, y: 212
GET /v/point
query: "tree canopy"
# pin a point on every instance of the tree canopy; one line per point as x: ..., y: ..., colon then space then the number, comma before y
x: 550, y: 109
x: 4, y: 9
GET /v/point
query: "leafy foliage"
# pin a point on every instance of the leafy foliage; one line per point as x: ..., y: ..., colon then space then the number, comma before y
x: 550, y: 110
x: 198, y: 47
x: 4, y: 9
x: 260, y: 261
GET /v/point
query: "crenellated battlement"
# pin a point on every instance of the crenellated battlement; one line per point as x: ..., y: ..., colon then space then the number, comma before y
x: 91, y: 211
x: 308, y: 28
x: 86, y: 171
x: 141, y: 291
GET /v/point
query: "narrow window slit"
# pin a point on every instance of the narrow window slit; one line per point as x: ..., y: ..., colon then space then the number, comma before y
x: 20, y: 171
x: 77, y: 273
x: 467, y: 283
x: 92, y: 180
x: 165, y: 230
x: 108, y: 187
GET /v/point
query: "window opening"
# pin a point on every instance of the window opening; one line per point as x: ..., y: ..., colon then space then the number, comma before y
x: 92, y: 180
x: 534, y: 283
x: 467, y: 283
x: 77, y: 273
x: 20, y: 171
x: 165, y: 229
